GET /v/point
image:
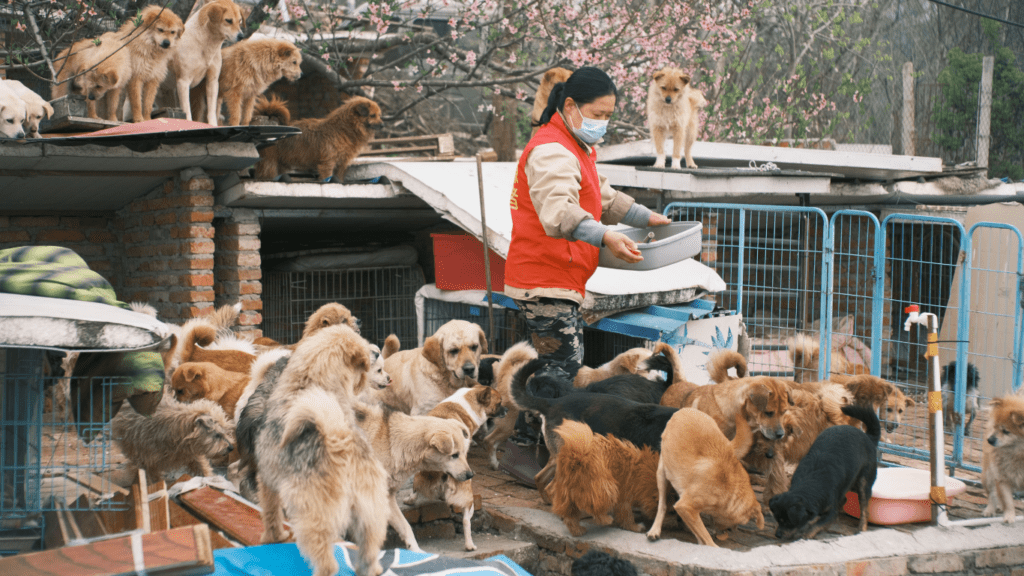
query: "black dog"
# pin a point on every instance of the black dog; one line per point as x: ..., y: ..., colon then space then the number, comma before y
x: 841, y: 459
x: 633, y: 386
x: 485, y: 374
x: 949, y: 414
x: 598, y: 563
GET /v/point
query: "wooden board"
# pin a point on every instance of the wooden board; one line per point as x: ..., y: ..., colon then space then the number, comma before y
x: 159, y: 513
x: 95, y: 483
x: 238, y: 520
x: 179, y: 517
x: 179, y: 552
x: 89, y: 522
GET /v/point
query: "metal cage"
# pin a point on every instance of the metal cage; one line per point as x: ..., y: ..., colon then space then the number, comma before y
x: 381, y: 298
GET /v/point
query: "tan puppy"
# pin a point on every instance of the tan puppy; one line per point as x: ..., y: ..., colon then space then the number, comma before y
x: 69, y: 63
x: 195, y: 380
x: 312, y: 460
x: 248, y: 68
x: 540, y: 100
x: 175, y: 435
x: 627, y: 362
x: 705, y: 470
x: 1002, y: 463
x: 36, y: 107
x: 597, y: 473
x: 107, y: 73
x: 408, y: 444
x: 151, y: 38
x: 327, y: 145
x: 422, y: 377
x: 204, y: 334
x: 511, y: 361
x: 13, y: 114
x: 471, y: 406
x: 804, y: 351
x: 673, y: 107
x: 199, y: 57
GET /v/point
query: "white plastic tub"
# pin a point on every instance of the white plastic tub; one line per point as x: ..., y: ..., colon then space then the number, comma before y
x: 671, y: 243
x: 901, y: 496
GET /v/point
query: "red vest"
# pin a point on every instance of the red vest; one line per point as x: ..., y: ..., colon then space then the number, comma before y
x: 536, y: 260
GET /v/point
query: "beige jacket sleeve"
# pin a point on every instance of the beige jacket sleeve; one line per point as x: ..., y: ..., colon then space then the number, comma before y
x: 553, y: 175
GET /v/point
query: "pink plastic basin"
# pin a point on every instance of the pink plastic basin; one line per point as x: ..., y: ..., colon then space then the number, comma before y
x: 901, y: 496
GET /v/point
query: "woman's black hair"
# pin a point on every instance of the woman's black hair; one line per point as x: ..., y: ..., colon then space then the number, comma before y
x: 583, y: 86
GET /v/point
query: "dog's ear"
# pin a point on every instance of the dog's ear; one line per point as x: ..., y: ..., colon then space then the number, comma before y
x: 485, y: 396
x: 910, y: 401
x: 363, y: 109
x: 192, y: 371
x: 432, y: 351
x: 110, y: 77
x: 442, y: 441
x: 482, y: 336
x: 204, y: 424
x: 759, y: 396
x: 48, y: 109
x: 360, y: 359
x: 685, y: 78
x: 1018, y: 419
x: 659, y: 75
x: 789, y: 395
x: 285, y: 51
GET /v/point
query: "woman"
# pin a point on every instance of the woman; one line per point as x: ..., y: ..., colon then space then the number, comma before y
x: 561, y: 207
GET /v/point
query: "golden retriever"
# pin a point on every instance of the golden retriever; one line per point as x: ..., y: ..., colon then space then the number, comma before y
x: 247, y: 69
x: 1002, y: 463
x: 199, y: 54
x: 151, y: 39
x: 423, y: 377
x: 704, y: 468
x: 673, y: 107
x: 327, y: 145
x: 540, y: 100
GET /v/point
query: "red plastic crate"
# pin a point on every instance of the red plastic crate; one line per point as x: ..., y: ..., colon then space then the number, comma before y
x: 459, y: 264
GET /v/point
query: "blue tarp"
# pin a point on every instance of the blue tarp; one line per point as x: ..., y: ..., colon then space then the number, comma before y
x: 284, y: 559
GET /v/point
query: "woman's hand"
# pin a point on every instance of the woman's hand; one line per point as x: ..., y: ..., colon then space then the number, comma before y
x: 658, y: 220
x: 622, y: 247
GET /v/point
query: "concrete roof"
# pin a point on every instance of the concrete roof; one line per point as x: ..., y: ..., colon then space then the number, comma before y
x: 62, y: 175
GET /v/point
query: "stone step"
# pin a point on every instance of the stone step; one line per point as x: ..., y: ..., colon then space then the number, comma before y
x: 524, y: 553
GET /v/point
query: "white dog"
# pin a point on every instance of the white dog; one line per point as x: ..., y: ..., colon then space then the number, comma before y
x: 36, y: 107
x: 12, y: 113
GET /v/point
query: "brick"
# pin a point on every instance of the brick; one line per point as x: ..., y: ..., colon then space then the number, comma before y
x: 241, y: 244
x: 197, y: 231
x: 252, y: 304
x: 193, y: 263
x: 197, y: 311
x: 812, y: 570
x: 166, y: 218
x: 48, y: 236
x: 877, y: 567
x: 35, y: 221
x: 5, y: 221
x: 153, y: 266
x: 101, y: 266
x: 85, y: 250
x: 195, y: 200
x: 235, y: 274
x: 166, y: 250
x: 434, y: 511
x: 435, y: 531
x: 192, y: 296
x: 236, y: 229
x: 199, y: 247
x: 933, y: 563
x: 195, y: 184
x: 239, y: 259
x: 197, y: 280
x: 1011, y: 556
x: 19, y: 236
x: 104, y: 237
x: 196, y: 216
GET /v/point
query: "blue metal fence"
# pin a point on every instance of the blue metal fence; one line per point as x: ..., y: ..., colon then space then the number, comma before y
x: 844, y: 280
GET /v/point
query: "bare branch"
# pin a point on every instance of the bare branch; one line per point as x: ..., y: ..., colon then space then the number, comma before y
x: 30, y: 15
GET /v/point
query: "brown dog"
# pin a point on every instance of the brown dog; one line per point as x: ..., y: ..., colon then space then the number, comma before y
x: 151, y: 40
x: 327, y: 145
x: 627, y: 362
x: 203, y: 334
x: 471, y: 406
x: 597, y: 473
x: 247, y: 69
x: 511, y: 361
x: 199, y: 57
x: 1002, y: 463
x: 673, y: 107
x: 704, y: 468
x: 540, y: 100
x: 423, y: 377
x: 195, y: 380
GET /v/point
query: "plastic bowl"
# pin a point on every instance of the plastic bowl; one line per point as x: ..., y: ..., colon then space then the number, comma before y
x: 671, y: 243
x: 901, y: 496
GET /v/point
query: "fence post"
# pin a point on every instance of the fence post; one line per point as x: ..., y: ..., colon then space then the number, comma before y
x: 909, y: 126
x: 985, y: 110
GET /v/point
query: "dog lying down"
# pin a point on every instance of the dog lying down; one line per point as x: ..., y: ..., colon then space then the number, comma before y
x: 842, y: 459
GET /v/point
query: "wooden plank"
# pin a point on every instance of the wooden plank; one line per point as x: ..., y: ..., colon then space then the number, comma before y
x: 179, y: 517
x: 140, y: 504
x: 63, y: 489
x: 238, y: 520
x: 88, y: 520
x: 180, y: 552
x: 117, y: 514
x: 76, y: 124
x: 95, y: 483
x: 57, y: 532
x: 159, y: 510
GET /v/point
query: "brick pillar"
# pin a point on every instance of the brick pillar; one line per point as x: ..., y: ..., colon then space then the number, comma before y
x: 168, y: 238
x: 237, y: 270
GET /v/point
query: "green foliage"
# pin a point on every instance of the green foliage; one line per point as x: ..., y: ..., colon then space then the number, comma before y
x: 956, y: 117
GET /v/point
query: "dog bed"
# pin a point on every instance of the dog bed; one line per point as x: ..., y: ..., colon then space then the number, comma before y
x: 901, y: 496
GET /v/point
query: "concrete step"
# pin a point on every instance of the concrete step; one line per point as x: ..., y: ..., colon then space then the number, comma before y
x: 524, y: 553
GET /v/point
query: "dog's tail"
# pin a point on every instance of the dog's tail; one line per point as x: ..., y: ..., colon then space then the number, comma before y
x: 521, y: 395
x: 196, y: 335
x: 743, y: 439
x: 581, y: 464
x: 868, y: 417
x: 391, y: 345
x: 224, y: 317
x: 719, y: 363
x: 275, y: 107
x: 803, y: 351
x: 316, y: 410
x: 665, y: 359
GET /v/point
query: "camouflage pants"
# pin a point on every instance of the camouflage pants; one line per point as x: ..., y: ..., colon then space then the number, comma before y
x: 556, y: 331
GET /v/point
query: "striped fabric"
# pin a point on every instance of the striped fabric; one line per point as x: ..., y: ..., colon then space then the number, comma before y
x: 53, y: 272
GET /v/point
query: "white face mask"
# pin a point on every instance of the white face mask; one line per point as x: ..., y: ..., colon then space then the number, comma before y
x: 590, y: 131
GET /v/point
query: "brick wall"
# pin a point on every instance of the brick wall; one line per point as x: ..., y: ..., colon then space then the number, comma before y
x: 169, y: 249
x: 94, y: 238
x: 237, y: 271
